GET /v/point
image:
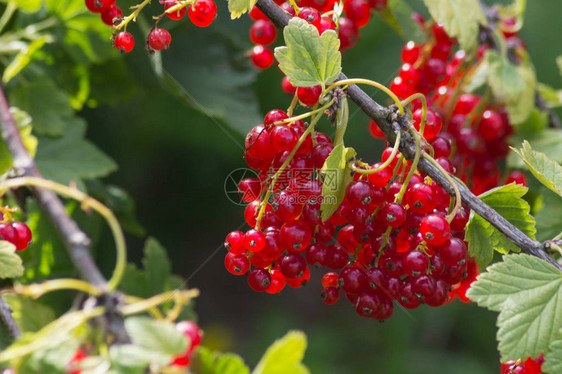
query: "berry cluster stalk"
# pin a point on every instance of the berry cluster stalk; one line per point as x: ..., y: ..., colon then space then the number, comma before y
x: 387, y: 118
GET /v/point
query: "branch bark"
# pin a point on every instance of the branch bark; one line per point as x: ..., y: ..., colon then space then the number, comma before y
x: 8, y: 319
x: 386, y: 116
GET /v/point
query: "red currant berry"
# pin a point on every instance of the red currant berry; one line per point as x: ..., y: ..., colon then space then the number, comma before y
x: 432, y: 124
x: 259, y: 279
x: 415, y: 263
x: 358, y: 11
x: 375, y: 131
x: 278, y: 282
x: 311, y: 16
x: 177, y: 15
x: 393, y: 214
x: 263, y: 32
x: 98, y: 6
x: 368, y: 304
x: 23, y: 235
x: 295, y: 236
x: 262, y: 57
x: 517, y: 177
x: 410, y: 53
x: 124, y: 42
x: 287, y: 86
x: 8, y: 233
x: 420, y: 198
x: 234, y: 243
x: 309, y: 95
x: 249, y: 189
x: 453, y: 252
x: 202, y: 13
x: 434, y: 229
x: 359, y: 193
x: 348, y: 33
x: 254, y: 240
x: 292, y: 266
x: 330, y: 295
x: 491, y: 125
x: 159, y: 39
x: 236, y: 264
x: 326, y: 23
x: 110, y: 15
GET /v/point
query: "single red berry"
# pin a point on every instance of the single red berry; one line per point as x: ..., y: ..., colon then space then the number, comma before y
x: 110, y: 15
x: 441, y: 147
x: 368, y: 304
x: 159, y: 39
x: 357, y: 11
x: 254, y: 240
x: 249, y: 189
x: 234, y: 242
x: 202, y: 13
x: 259, y: 279
x: 8, y: 233
x: 98, y: 6
x: 273, y: 116
x: 330, y: 279
x: 348, y: 33
x: 491, y: 125
x: 423, y: 287
x: 330, y: 295
x: 177, y: 15
x: 375, y: 131
x: 311, y: 16
x: 23, y: 235
x: 236, y: 264
x: 263, y: 32
x: 393, y: 214
x: 278, y: 282
x: 292, y: 266
x: 453, y: 252
x: 309, y: 95
x: 257, y: 14
x: 262, y: 57
x: 410, y: 53
x: 295, y: 236
x: 517, y: 177
x: 432, y: 123
x: 415, y: 263
x: 300, y: 281
x: 420, y: 198
x: 326, y: 23
x: 287, y: 86
x: 359, y: 193
x: 434, y: 229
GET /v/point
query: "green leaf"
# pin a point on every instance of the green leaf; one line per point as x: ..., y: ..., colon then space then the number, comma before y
x: 548, y: 172
x: 10, y: 263
x: 551, y: 96
x: 157, y: 266
x: 483, y: 238
x: 527, y: 292
x: 559, y: 63
x: 71, y: 157
x: 45, y: 103
x: 23, y: 121
x: 460, y: 18
x: 239, y: 7
x: 29, y: 6
x: 29, y: 322
x: 553, y: 359
x: 512, y: 85
x: 398, y: 15
x: 309, y: 59
x: 134, y: 359
x: 546, y: 141
x: 549, y: 220
x: 217, y: 80
x: 221, y: 363
x: 50, y: 359
x: 337, y: 175
x: 284, y: 356
x: 158, y: 336
x: 22, y: 59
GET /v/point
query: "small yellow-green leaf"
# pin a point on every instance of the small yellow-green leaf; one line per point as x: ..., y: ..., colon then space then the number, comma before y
x: 547, y: 171
x: 239, y: 7
x: 483, y: 238
x: 460, y: 18
x: 309, y: 59
x: 551, y: 96
x: 10, y: 262
x: 284, y: 356
x: 29, y: 6
x: 337, y: 175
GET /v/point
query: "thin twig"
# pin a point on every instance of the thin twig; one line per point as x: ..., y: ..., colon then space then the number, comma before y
x: 385, y: 117
x: 8, y: 319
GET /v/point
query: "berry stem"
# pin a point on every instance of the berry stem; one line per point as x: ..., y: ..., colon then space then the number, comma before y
x: 133, y: 16
x: 384, y: 164
x: 87, y: 202
x: 458, y: 198
x: 294, y: 103
x: 154, y: 301
x: 413, y: 168
x: 7, y: 15
x: 295, y: 7
x: 39, y: 289
x: 304, y: 115
x: 424, y: 108
x: 8, y: 320
x: 348, y: 82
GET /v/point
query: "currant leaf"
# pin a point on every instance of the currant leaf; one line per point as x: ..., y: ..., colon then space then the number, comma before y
x: 527, y: 292
x: 156, y: 335
x: 284, y: 356
x: 10, y: 263
x: 309, y: 59
x: 398, y: 15
x: 239, y: 7
x: 551, y: 96
x: 221, y: 363
x: 29, y: 322
x: 547, y: 171
x: 483, y: 238
x: 548, y: 215
x: 337, y: 175
x: 553, y: 359
x: 546, y: 141
x: 460, y: 18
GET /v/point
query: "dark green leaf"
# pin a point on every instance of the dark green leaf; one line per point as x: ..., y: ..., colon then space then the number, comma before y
x: 460, y: 18
x: 71, y: 157
x: 547, y: 171
x: 549, y: 220
x: 284, y: 356
x: 309, y: 59
x: 527, y: 292
x: 483, y: 238
x: 10, y: 263
x: 156, y: 265
x: 337, y: 175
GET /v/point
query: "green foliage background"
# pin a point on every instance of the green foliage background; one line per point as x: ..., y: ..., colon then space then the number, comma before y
x: 177, y: 134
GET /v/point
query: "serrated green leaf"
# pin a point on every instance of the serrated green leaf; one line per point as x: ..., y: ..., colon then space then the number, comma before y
x: 398, y: 15
x: 551, y: 96
x: 134, y: 359
x: 239, y: 7
x: 221, y: 363
x: 512, y: 85
x: 547, y: 171
x: 156, y: 265
x: 22, y: 59
x: 45, y: 103
x: 549, y: 220
x: 553, y: 359
x: 483, y: 238
x: 10, y: 263
x: 460, y: 18
x: 158, y: 336
x: 337, y: 175
x: 29, y: 322
x: 71, y: 157
x: 527, y: 292
x: 51, y: 359
x: 284, y: 356
x: 309, y: 59
x: 546, y: 141
x: 29, y: 6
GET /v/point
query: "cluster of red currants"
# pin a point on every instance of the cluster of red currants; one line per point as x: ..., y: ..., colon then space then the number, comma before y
x: 201, y: 13
x: 17, y: 233
x: 473, y: 126
x: 356, y: 15
x: 529, y: 366
x: 390, y: 242
x: 190, y: 329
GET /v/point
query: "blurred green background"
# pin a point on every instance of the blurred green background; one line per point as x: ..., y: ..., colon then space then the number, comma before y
x: 173, y: 159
